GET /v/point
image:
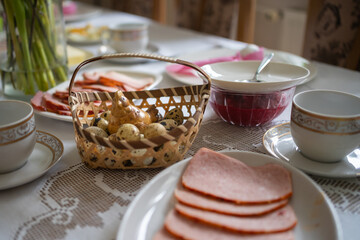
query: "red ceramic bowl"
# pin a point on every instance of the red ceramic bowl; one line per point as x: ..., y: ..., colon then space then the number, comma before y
x: 249, y: 109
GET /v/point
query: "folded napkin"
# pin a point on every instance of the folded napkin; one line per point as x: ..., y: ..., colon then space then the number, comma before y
x: 181, y: 69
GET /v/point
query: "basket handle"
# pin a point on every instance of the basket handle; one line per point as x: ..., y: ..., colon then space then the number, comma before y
x: 139, y: 55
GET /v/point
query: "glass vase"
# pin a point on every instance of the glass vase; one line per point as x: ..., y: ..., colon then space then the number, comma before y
x: 32, y: 47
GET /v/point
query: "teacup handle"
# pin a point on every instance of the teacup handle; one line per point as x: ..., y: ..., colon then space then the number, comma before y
x: 206, y: 79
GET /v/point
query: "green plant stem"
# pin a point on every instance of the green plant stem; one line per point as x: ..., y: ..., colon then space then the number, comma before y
x: 33, y: 45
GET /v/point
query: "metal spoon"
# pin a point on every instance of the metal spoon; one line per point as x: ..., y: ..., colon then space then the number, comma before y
x: 262, y: 65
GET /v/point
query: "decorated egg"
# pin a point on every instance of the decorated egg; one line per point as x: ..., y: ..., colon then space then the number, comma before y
x: 97, y: 131
x: 106, y: 115
x: 169, y: 124
x: 153, y: 130
x: 138, y: 152
x: 112, y: 137
x: 101, y: 123
x: 176, y: 114
x: 128, y: 132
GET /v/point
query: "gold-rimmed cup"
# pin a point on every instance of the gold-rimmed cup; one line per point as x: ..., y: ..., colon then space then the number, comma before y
x: 17, y: 134
x: 325, y: 124
x: 128, y: 37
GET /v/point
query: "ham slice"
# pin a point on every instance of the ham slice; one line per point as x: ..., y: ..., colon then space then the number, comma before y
x: 185, y: 228
x: 278, y: 221
x: 119, y: 79
x: 101, y: 88
x: 86, y: 82
x: 163, y: 234
x: 200, y: 201
x: 53, y: 104
x: 223, y: 177
x: 91, y: 76
x: 37, y: 101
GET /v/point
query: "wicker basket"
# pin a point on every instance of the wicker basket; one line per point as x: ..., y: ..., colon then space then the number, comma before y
x: 160, y: 151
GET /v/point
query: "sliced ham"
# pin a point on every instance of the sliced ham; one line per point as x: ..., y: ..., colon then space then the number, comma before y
x: 221, y: 176
x: 100, y: 88
x: 37, y: 101
x: 91, y: 76
x: 201, y: 201
x: 163, y: 234
x: 86, y: 82
x: 277, y: 221
x: 185, y: 228
x: 63, y: 112
x: 54, y: 104
x: 119, y: 79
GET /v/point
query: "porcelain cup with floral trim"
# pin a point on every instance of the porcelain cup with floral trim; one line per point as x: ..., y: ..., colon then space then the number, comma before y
x: 128, y: 37
x: 325, y: 124
x: 17, y: 134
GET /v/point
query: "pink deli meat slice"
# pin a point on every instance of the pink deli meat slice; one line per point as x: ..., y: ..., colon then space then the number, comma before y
x: 127, y: 80
x: 163, y: 234
x: 278, y: 221
x: 221, y: 176
x: 37, y: 101
x: 201, y: 201
x: 185, y: 228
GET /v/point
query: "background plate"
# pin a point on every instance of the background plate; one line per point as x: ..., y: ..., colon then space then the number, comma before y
x: 151, y: 49
x: 317, y: 218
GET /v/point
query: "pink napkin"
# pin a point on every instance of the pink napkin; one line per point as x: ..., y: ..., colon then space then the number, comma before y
x: 181, y: 69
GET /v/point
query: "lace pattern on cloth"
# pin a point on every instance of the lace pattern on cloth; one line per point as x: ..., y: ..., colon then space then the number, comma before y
x: 78, y: 197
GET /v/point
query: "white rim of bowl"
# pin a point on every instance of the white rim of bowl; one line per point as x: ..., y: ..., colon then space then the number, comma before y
x: 20, y: 121
x: 294, y: 81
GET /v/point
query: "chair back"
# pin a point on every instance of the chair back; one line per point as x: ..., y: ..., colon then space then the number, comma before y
x: 332, y: 33
x: 233, y: 19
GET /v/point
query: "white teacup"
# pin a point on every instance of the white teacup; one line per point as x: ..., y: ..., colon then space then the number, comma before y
x: 325, y: 124
x: 128, y: 37
x: 17, y: 134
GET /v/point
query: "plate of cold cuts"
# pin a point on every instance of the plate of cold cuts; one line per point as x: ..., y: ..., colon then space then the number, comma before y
x: 54, y: 102
x: 230, y: 195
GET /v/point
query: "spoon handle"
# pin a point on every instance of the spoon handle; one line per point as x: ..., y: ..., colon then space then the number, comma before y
x: 263, y: 63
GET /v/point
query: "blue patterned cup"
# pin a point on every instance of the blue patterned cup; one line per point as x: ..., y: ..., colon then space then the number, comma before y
x: 17, y: 134
x: 325, y: 124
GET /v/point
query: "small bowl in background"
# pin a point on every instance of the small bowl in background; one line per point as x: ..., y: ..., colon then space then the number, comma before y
x: 252, y: 104
x: 17, y: 134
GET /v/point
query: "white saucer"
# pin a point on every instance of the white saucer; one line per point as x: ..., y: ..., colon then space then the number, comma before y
x: 279, y: 143
x: 151, y: 49
x: 48, y: 151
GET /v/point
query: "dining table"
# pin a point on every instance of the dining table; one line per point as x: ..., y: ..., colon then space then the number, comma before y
x: 72, y: 201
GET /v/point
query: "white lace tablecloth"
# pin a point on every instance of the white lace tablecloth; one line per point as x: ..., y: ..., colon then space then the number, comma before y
x: 72, y: 201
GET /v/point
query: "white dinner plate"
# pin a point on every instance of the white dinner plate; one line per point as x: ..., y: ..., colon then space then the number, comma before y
x: 317, y: 217
x: 83, y: 11
x: 47, y: 152
x: 131, y: 73
x: 279, y: 56
x: 71, y: 39
x: 279, y: 143
x: 151, y: 49
x: 74, y: 64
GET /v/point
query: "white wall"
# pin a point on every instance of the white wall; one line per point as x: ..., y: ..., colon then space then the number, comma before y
x: 280, y: 25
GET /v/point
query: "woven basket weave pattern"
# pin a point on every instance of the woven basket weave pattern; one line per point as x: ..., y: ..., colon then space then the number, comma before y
x: 160, y: 151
